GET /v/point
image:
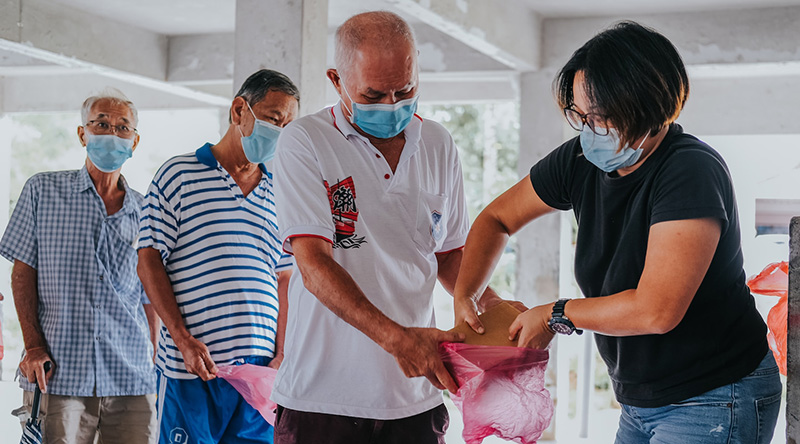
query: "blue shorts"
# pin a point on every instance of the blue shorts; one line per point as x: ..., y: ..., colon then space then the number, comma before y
x: 193, y: 411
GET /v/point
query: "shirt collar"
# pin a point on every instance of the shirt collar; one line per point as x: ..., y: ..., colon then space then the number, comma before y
x: 84, y: 182
x: 206, y: 157
x: 413, y: 131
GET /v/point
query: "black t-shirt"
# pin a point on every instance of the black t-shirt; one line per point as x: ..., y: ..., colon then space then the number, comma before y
x: 722, y: 337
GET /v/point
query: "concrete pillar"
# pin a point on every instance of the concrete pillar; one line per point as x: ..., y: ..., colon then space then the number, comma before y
x: 793, y: 337
x: 541, y: 131
x: 539, y: 244
x: 5, y: 187
x: 287, y: 36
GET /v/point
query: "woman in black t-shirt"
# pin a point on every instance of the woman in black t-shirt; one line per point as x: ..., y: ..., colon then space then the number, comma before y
x: 658, y: 254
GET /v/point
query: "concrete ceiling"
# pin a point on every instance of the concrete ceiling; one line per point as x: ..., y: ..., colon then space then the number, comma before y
x: 184, y: 17
x: 472, y: 48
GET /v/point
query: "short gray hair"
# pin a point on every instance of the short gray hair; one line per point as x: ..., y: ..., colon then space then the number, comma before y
x: 115, y: 96
x: 256, y: 87
x: 375, y: 27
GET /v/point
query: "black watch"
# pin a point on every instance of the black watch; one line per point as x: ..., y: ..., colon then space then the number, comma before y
x: 559, y: 323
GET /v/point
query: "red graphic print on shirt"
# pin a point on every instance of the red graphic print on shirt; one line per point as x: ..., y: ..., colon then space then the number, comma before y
x: 342, y: 197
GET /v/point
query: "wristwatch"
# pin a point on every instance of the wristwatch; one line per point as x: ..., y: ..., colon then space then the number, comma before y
x: 559, y: 323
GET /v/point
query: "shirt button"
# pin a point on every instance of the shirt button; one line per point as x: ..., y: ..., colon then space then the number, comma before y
x: 97, y: 338
x: 101, y: 277
x: 97, y: 306
x: 386, y: 176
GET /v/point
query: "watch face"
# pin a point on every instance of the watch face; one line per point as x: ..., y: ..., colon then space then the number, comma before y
x: 560, y: 327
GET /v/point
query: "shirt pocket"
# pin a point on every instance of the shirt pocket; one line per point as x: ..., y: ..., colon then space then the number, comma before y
x: 431, y: 224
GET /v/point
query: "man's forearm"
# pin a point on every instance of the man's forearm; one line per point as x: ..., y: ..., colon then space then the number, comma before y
x: 283, y: 308
x: 159, y: 290
x: 24, y: 287
x: 335, y: 288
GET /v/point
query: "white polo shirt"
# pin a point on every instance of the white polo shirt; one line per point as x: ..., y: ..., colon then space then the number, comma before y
x: 386, y: 229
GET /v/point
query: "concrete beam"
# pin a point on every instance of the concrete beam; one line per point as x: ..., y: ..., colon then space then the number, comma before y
x: 61, y: 36
x: 66, y: 93
x: 745, y: 105
x: 61, y: 30
x: 702, y: 38
x: 508, y: 33
x: 201, y: 58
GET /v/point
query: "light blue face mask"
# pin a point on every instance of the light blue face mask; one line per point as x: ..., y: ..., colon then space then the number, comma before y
x: 259, y: 146
x: 107, y: 151
x: 602, y: 150
x: 382, y: 120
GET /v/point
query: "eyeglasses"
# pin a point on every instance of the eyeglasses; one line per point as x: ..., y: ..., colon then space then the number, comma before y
x: 103, y: 127
x: 597, y: 123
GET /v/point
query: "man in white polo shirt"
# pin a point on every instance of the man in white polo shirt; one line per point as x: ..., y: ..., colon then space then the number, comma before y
x: 370, y: 201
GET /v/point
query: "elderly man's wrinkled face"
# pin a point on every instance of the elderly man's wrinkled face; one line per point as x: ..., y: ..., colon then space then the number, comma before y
x: 380, y: 76
x: 109, y: 117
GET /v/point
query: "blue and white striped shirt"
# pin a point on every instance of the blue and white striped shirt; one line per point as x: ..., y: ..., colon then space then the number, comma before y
x: 90, y: 297
x: 221, y: 252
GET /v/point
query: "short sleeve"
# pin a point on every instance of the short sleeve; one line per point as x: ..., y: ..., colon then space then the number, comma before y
x: 458, y: 221
x: 551, y: 177
x: 301, y: 197
x: 694, y: 183
x: 285, y: 263
x: 158, y: 226
x: 19, y: 240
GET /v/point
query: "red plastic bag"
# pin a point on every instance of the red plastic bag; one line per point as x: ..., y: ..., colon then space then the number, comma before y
x: 501, y: 391
x: 774, y: 281
x: 254, y: 383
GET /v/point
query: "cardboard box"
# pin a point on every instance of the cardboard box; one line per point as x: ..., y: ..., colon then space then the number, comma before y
x: 496, y: 322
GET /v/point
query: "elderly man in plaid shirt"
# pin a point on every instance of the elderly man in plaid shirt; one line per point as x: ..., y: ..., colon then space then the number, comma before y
x: 72, y: 239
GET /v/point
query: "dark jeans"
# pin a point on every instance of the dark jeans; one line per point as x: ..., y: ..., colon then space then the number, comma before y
x: 295, y: 427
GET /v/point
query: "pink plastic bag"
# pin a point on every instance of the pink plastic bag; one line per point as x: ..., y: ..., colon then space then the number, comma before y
x: 501, y: 391
x: 774, y: 281
x: 254, y: 383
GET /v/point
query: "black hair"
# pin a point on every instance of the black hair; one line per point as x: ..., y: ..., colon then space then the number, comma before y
x: 634, y: 77
x: 263, y: 81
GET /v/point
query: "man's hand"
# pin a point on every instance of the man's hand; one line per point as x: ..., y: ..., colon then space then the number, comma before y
x: 276, y: 361
x: 32, y: 367
x: 532, y: 328
x: 417, y: 353
x: 197, y: 359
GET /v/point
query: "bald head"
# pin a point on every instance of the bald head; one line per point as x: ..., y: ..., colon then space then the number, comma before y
x: 382, y: 30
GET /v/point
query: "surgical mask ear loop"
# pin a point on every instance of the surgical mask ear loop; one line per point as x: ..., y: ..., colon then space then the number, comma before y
x: 239, y: 127
x: 351, y: 108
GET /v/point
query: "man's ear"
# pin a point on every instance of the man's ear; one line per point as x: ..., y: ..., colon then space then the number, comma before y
x: 333, y: 76
x: 237, y: 108
x: 81, y: 135
x: 135, y: 142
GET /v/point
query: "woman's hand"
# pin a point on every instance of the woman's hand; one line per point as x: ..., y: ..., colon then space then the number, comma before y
x: 466, y: 310
x: 531, y: 329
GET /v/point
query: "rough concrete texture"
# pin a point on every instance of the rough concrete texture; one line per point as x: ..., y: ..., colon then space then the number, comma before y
x: 793, y: 338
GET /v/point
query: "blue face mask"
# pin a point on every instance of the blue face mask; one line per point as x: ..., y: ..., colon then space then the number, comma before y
x: 107, y: 151
x: 259, y: 146
x: 382, y: 120
x: 603, y: 151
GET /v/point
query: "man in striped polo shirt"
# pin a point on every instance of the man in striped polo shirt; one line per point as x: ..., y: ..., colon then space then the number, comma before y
x: 211, y: 263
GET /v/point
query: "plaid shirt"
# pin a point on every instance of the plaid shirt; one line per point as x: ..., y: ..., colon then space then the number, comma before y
x: 90, y: 297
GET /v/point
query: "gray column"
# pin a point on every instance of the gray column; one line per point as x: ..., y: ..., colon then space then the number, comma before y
x: 538, y: 245
x: 290, y: 37
x: 541, y: 131
x: 793, y: 338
